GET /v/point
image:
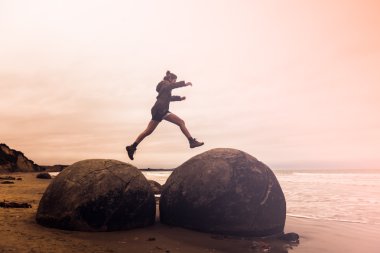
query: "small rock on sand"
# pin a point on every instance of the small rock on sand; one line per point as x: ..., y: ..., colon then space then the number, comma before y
x: 6, y: 204
x: 7, y: 182
x: 43, y: 175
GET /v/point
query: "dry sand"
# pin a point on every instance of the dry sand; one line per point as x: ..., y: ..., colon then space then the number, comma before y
x: 20, y: 233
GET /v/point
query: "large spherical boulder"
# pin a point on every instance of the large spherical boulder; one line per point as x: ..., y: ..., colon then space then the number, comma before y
x: 98, y: 195
x: 224, y: 191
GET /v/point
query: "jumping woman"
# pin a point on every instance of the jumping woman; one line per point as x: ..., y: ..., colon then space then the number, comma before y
x: 160, y: 111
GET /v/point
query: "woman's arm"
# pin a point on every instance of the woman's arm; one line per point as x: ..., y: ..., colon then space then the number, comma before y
x: 179, y: 84
x: 175, y: 98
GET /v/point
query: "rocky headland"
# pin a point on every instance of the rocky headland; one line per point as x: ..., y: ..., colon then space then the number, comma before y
x: 15, y: 161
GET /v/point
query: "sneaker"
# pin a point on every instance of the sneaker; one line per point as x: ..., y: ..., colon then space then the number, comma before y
x: 131, y: 150
x: 194, y: 143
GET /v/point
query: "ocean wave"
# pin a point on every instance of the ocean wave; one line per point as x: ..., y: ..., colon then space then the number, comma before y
x: 330, y: 219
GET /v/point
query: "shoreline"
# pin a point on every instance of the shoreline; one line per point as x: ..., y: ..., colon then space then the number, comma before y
x: 20, y: 233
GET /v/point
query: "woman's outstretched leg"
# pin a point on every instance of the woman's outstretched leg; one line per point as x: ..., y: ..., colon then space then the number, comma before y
x: 149, y: 129
x: 179, y: 122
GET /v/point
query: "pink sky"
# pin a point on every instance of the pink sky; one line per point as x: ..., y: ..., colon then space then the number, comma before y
x: 294, y: 83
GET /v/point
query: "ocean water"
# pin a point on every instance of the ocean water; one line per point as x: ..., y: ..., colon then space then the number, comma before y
x: 347, y: 196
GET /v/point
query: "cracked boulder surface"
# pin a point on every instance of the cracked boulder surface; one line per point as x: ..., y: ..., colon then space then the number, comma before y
x: 98, y: 195
x: 224, y: 191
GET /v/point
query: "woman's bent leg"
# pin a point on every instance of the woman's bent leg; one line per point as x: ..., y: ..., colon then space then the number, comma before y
x: 179, y: 122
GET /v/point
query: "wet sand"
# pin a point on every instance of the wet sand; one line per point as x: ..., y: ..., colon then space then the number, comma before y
x: 20, y: 233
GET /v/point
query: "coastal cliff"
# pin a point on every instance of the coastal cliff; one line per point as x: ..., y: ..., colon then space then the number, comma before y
x: 15, y: 161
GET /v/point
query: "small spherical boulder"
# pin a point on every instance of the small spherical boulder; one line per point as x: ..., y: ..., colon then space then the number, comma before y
x: 224, y: 191
x: 98, y: 195
x: 156, y: 187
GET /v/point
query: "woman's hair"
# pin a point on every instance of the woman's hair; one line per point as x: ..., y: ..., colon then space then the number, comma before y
x: 170, y: 76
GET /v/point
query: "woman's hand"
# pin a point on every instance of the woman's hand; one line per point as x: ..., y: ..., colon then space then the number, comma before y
x: 189, y: 84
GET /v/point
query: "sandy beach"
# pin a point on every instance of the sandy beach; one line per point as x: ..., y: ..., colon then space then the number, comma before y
x: 20, y: 233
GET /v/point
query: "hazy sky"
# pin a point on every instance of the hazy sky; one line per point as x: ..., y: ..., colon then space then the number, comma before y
x: 294, y: 83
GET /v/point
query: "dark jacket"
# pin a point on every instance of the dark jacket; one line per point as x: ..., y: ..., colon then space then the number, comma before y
x: 164, y: 89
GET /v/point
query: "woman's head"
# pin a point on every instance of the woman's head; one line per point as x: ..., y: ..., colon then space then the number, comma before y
x: 170, y: 76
